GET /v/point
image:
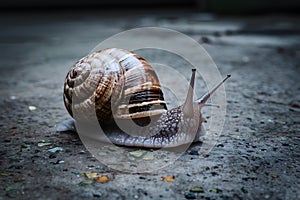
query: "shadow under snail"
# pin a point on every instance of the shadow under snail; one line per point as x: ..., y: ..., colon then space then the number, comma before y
x: 121, y: 90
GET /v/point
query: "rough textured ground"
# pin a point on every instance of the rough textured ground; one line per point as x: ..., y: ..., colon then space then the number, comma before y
x: 256, y: 157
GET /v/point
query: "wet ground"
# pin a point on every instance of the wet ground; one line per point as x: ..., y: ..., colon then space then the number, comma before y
x: 256, y: 156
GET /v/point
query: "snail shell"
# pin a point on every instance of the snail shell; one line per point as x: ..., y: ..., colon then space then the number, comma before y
x: 121, y: 87
x: 113, y: 80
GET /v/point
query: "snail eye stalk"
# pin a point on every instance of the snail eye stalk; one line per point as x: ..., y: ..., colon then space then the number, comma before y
x: 202, y: 100
x: 188, y: 104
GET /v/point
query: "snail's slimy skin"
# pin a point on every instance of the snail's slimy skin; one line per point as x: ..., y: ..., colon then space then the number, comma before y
x: 172, y: 129
x: 168, y: 131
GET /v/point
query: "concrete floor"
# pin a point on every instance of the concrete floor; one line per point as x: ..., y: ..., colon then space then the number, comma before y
x: 256, y: 157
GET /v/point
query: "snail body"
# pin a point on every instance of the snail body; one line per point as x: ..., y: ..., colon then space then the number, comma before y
x: 123, y: 91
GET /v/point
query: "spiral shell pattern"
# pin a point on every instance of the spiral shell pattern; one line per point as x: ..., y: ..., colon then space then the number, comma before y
x: 113, y: 82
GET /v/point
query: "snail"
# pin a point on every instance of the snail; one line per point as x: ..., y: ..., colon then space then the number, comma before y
x: 123, y: 91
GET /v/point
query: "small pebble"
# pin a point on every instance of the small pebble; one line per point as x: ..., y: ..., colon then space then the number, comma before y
x: 87, y: 182
x: 274, y: 176
x: 249, y: 118
x: 91, y: 175
x: 290, y: 166
x: 215, y: 190
x: 190, y: 196
x: 97, y: 195
x: 136, y: 154
x: 168, y: 178
x: 41, y: 144
x: 31, y: 108
x: 197, y: 190
x: 55, y: 149
x: 263, y: 149
x: 81, y: 152
x: 60, y: 161
x: 194, y: 152
x: 102, y: 179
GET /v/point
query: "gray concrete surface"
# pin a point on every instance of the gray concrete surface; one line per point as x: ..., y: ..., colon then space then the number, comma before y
x: 256, y: 157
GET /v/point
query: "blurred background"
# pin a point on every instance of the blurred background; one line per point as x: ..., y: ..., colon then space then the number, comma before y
x: 216, y: 6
